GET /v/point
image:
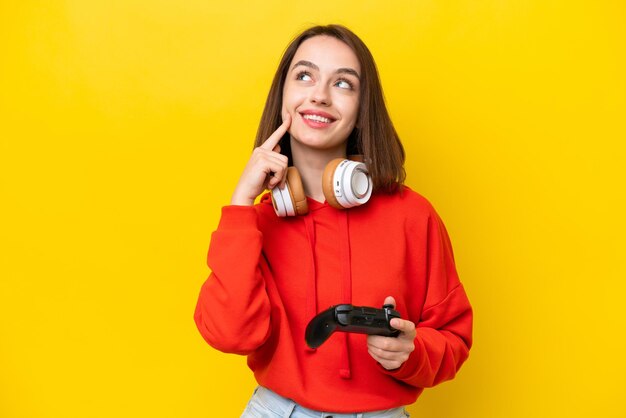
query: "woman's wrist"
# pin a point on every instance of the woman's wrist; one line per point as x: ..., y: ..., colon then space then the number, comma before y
x: 238, y: 200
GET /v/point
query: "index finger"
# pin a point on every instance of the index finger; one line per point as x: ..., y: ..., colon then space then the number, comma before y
x: 275, y: 138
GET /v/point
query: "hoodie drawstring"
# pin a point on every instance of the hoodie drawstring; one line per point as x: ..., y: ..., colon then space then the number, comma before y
x: 311, y: 303
x: 346, y: 279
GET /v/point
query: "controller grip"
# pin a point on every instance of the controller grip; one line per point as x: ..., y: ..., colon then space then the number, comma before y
x: 320, y: 328
x: 348, y: 318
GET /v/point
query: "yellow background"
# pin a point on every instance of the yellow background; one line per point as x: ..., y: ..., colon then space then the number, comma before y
x: 125, y: 125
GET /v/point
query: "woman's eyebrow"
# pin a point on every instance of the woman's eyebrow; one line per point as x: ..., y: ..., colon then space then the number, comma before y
x: 348, y: 71
x: 306, y: 64
x: 342, y: 70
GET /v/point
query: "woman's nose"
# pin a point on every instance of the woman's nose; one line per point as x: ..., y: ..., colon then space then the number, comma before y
x: 320, y: 95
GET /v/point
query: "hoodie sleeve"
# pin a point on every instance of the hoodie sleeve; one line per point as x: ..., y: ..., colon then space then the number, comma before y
x: 444, y: 328
x: 233, y: 309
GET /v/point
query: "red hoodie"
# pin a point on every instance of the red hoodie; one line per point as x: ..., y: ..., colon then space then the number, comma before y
x: 271, y: 275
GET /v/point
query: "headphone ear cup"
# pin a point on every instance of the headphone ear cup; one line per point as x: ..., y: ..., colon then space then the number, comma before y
x: 346, y: 183
x: 327, y: 183
x: 296, y: 191
x: 290, y: 200
x: 280, y: 202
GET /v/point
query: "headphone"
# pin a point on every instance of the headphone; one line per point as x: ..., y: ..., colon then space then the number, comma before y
x: 346, y: 183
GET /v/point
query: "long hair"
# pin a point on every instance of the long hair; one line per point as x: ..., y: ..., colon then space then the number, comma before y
x: 374, y: 135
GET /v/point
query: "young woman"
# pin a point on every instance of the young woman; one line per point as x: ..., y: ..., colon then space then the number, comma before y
x: 277, y: 264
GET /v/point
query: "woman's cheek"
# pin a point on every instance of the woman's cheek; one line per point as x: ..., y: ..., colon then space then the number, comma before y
x: 284, y: 113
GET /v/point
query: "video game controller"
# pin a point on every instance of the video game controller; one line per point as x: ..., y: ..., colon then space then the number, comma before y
x: 348, y: 318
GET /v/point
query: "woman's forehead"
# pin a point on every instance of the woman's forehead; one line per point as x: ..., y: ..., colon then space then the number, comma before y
x: 327, y: 53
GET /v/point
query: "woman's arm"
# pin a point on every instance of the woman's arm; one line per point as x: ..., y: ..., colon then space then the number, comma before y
x: 442, y: 336
x: 233, y: 309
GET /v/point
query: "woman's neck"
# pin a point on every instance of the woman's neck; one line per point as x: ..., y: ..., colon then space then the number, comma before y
x: 311, y: 163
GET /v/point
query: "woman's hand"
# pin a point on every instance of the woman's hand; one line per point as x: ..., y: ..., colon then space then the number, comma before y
x: 391, y: 352
x: 265, y: 169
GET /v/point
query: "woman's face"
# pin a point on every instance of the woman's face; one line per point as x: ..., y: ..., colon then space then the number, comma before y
x: 321, y: 93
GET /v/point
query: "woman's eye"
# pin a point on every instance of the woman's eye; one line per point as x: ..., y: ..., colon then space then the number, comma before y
x: 344, y: 84
x: 304, y: 76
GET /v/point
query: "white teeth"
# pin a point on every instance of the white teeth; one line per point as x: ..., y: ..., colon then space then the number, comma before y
x: 317, y: 118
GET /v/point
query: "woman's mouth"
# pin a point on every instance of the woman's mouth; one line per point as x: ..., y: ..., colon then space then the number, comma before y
x: 317, y: 120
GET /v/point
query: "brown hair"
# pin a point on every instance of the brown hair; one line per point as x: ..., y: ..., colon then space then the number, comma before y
x: 373, y: 136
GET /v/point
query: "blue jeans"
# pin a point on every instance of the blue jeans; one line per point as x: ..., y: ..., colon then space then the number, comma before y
x: 267, y: 404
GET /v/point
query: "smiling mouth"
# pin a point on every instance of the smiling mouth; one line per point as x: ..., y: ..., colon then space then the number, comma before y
x: 317, y: 118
